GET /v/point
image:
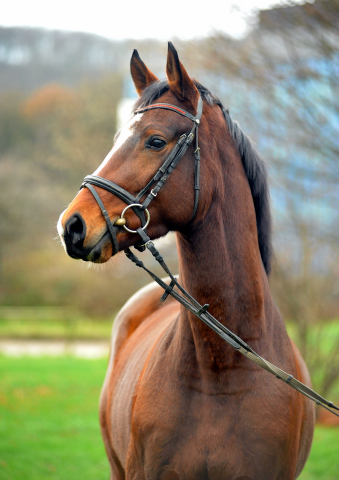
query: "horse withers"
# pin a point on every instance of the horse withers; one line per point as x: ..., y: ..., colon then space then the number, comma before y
x: 177, y: 401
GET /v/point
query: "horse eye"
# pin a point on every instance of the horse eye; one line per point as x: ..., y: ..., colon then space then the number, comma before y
x: 156, y: 143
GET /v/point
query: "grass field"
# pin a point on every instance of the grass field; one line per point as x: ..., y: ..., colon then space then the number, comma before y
x: 51, y: 323
x: 49, y: 425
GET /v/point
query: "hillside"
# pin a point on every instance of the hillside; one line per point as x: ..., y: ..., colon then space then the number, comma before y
x: 30, y: 57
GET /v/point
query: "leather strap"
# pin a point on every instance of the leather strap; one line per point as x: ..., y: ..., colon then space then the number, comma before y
x: 116, y: 190
x: 201, y: 312
x: 110, y: 187
x: 111, y: 228
x: 167, y: 106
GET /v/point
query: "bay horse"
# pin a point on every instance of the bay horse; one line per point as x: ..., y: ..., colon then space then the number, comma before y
x: 177, y: 401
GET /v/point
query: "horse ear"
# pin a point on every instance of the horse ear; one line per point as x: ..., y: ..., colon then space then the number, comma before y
x: 142, y: 77
x: 179, y: 81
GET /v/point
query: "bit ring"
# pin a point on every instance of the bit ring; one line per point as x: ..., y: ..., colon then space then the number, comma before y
x: 135, y: 205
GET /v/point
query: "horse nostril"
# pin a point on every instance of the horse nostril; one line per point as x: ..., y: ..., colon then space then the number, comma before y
x: 75, y: 230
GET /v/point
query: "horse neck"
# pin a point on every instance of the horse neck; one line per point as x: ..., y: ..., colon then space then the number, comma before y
x: 220, y: 264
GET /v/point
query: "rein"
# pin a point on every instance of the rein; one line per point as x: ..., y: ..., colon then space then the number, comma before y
x: 185, y: 299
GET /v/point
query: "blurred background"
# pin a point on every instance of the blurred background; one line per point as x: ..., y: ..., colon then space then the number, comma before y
x: 65, y: 89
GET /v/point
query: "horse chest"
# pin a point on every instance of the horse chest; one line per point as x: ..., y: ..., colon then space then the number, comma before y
x: 202, y: 437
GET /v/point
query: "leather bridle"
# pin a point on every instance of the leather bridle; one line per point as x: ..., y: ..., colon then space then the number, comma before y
x: 138, y: 205
x: 189, y: 302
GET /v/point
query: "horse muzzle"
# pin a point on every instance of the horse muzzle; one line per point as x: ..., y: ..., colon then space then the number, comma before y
x: 73, y: 237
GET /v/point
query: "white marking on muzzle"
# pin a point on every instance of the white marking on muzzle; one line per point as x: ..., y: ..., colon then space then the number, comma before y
x: 61, y: 229
x: 123, y: 136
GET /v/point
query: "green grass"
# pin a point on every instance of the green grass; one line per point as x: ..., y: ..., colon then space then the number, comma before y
x: 323, y: 335
x: 322, y: 356
x: 49, y: 426
x: 51, y: 323
x: 323, y: 463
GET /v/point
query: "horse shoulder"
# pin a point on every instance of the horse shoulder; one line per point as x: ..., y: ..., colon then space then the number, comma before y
x: 135, y: 330
x: 136, y: 310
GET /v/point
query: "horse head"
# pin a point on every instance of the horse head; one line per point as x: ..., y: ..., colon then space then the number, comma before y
x: 141, y: 148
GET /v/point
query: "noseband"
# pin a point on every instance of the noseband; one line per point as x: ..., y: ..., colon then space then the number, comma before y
x: 155, y: 184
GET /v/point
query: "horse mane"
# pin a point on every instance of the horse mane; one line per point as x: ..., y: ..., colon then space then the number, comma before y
x: 254, y: 165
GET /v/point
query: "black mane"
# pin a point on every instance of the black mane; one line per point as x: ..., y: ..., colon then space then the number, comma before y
x: 254, y: 165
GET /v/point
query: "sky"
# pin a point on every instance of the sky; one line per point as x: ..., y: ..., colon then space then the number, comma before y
x: 134, y: 19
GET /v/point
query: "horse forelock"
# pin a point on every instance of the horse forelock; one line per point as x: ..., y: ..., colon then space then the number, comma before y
x: 254, y: 166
